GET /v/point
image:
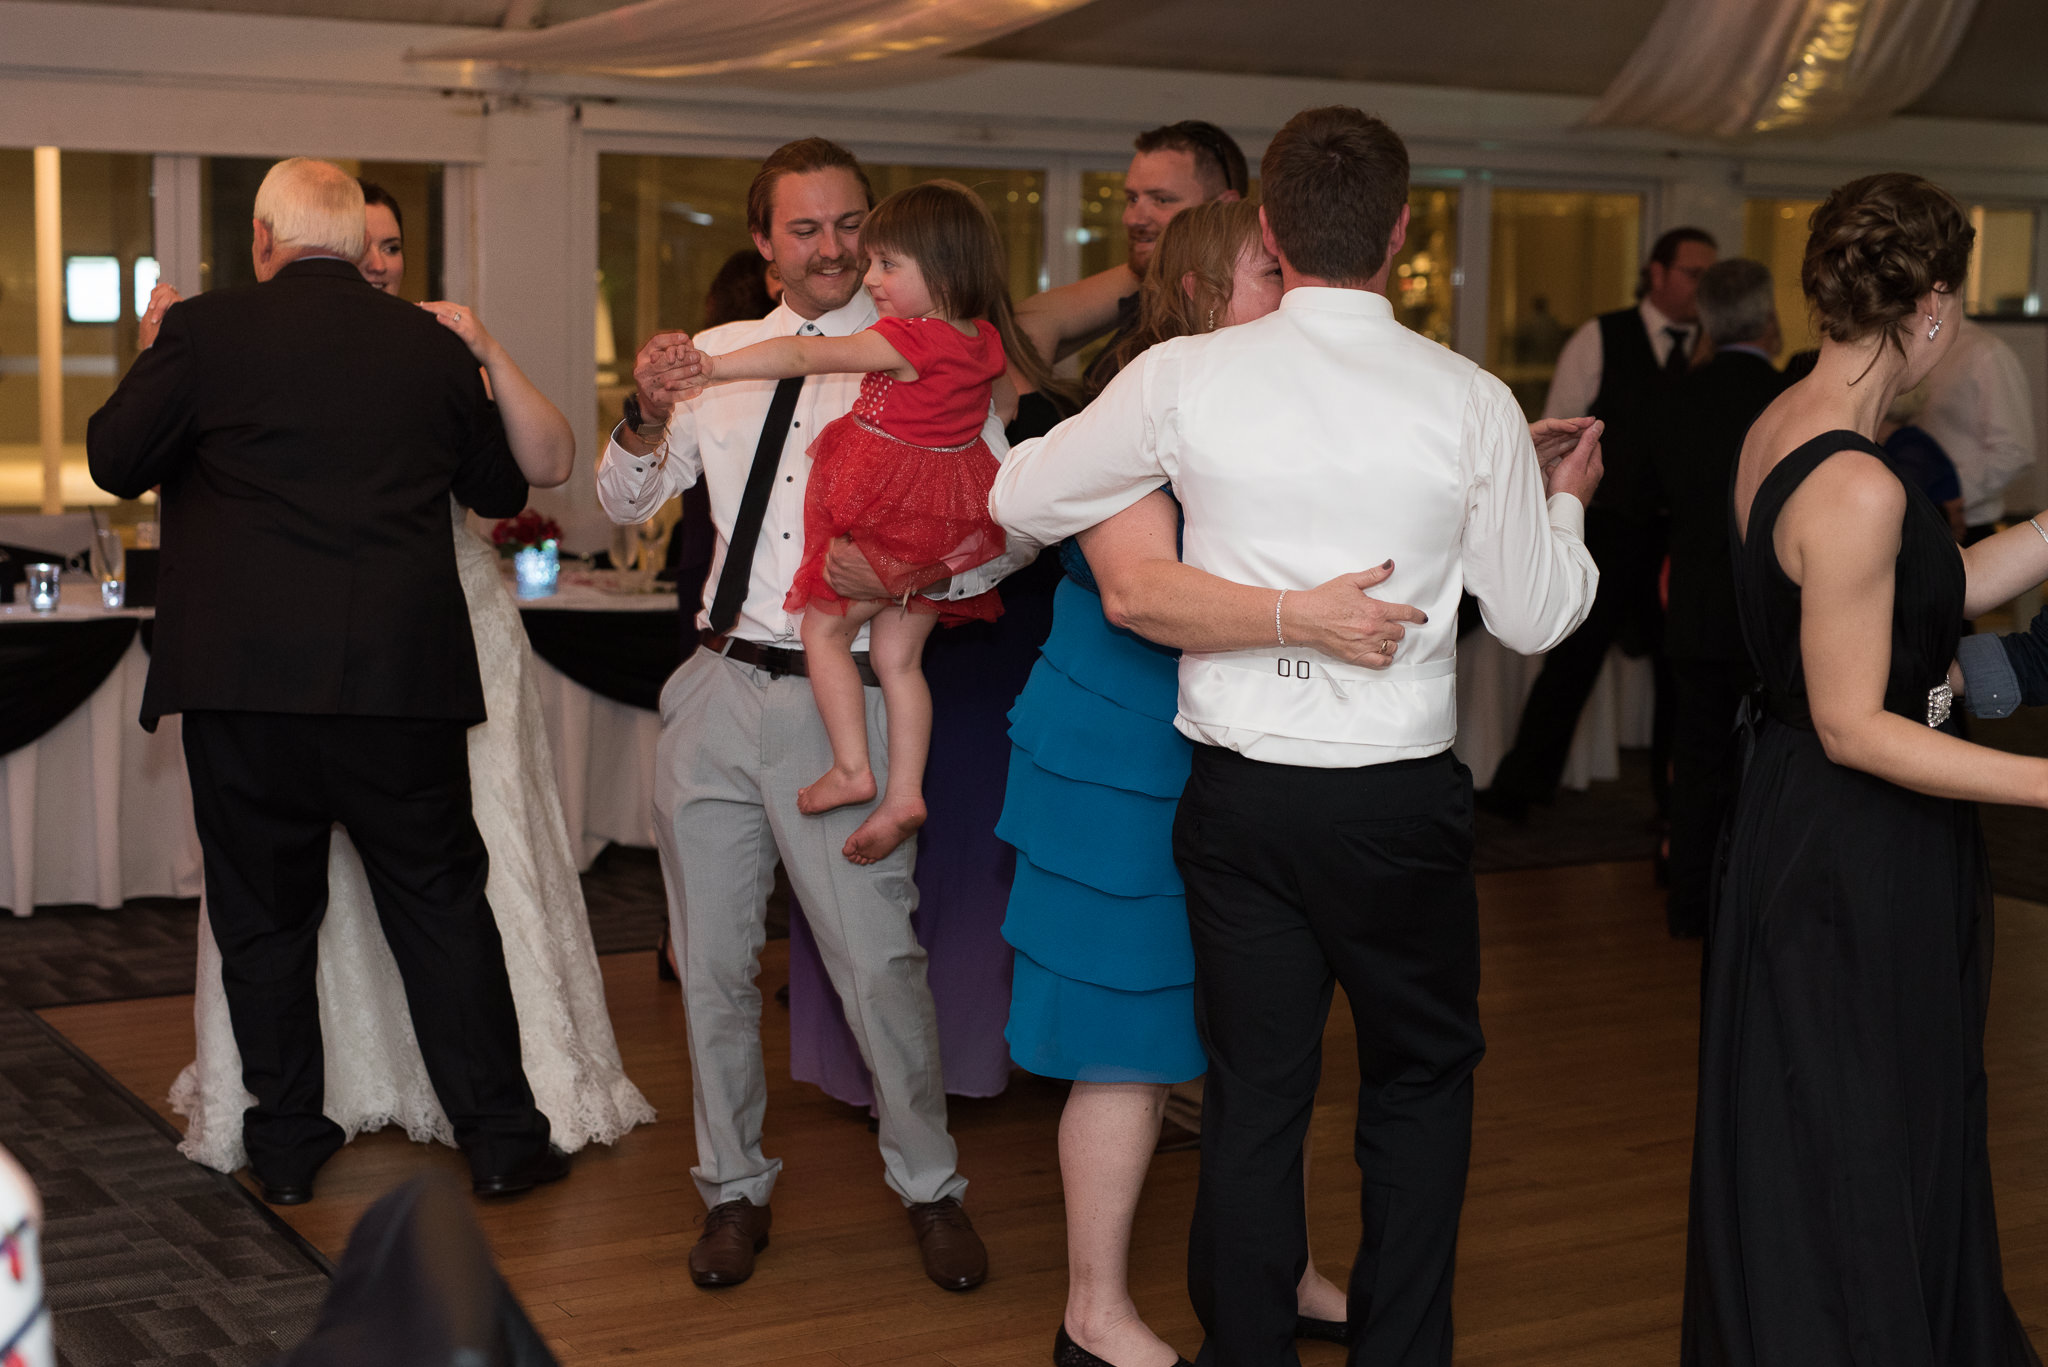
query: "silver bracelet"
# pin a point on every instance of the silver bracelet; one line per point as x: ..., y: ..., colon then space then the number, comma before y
x: 1281, y: 636
x: 2037, y: 527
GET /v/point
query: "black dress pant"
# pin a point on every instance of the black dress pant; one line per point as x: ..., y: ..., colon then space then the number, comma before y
x: 1299, y: 879
x: 1627, y: 552
x: 267, y: 791
x: 1705, y: 770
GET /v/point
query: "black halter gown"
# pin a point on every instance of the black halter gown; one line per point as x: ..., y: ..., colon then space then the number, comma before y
x: 1841, y: 1191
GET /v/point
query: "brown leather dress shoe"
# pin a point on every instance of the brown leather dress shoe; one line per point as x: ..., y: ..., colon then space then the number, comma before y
x: 953, y: 1255
x: 734, y: 1231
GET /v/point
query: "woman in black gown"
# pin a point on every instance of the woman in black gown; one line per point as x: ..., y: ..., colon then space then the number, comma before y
x: 1841, y: 1190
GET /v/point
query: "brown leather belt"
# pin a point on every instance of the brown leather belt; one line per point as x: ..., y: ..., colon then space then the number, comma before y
x: 778, y: 661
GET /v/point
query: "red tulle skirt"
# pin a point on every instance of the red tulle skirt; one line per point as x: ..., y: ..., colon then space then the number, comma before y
x: 906, y: 507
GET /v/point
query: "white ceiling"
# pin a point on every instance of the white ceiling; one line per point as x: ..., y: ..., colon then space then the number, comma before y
x: 1558, y: 46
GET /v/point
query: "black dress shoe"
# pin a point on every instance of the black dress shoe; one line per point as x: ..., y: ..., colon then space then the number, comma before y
x: 1328, y: 1331
x: 1502, y: 803
x: 285, y: 1193
x: 664, y: 966
x: 549, y: 1166
x: 1067, y: 1353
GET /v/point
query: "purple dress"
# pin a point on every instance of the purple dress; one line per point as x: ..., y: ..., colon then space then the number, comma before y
x: 963, y: 871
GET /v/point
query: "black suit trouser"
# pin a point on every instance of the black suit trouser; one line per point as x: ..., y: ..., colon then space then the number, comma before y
x: 1705, y: 769
x: 267, y: 791
x: 1300, y: 879
x: 1627, y: 552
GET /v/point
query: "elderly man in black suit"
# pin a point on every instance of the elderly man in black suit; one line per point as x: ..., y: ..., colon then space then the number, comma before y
x: 1693, y: 464
x: 306, y: 433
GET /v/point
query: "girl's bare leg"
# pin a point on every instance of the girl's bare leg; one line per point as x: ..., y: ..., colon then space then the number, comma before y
x: 1106, y: 1136
x: 842, y: 704
x: 896, y: 640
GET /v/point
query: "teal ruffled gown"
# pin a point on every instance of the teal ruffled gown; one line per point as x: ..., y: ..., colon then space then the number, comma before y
x: 1103, y: 986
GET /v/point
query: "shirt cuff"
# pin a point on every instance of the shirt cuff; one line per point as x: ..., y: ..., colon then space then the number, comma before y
x: 1568, y: 514
x: 1991, y: 687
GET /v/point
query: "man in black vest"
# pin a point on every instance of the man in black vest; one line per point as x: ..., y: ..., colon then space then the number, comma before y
x: 1620, y: 368
x: 1692, y: 468
x: 307, y: 433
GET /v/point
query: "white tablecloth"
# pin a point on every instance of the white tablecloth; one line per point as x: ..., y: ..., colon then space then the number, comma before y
x: 98, y: 810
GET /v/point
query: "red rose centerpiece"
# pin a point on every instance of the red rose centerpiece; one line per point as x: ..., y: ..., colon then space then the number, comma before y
x: 533, y: 542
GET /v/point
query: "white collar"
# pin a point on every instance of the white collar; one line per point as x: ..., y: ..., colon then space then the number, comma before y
x: 1327, y: 299
x: 855, y: 315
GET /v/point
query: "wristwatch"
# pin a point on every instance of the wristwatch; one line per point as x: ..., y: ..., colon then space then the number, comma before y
x: 636, y: 420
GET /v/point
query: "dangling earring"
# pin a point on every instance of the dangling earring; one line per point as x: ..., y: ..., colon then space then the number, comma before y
x: 1935, y: 319
x: 1210, y: 326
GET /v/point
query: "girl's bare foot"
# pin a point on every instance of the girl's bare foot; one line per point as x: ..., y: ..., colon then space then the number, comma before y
x: 888, y: 826
x: 837, y: 788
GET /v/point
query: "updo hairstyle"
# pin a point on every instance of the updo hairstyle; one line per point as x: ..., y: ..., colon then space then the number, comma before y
x: 1875, y: 247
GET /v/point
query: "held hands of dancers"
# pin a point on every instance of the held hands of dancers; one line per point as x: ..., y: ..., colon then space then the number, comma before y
x: 1568, y: 451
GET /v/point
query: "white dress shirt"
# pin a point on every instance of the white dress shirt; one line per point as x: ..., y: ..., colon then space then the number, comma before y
x: 714, y: 435
x: 1315, y: 442
x: 1979, y: 409
x: 1577, y: 381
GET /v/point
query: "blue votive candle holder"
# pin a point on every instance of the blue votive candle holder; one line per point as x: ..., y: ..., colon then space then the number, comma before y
x: 535, y: 570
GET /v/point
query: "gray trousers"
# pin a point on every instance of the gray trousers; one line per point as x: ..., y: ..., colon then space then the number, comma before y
x: 735, y: 747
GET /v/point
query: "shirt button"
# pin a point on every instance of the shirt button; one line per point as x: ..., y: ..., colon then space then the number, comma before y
x: 785, y: 536
x: 789, y: 479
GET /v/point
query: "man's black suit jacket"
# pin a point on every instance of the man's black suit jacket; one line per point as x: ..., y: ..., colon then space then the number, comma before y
x: 1694, y: 462
x: 307, y: 433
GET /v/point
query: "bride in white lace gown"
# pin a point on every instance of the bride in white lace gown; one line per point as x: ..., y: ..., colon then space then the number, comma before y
x: 375, y: 1076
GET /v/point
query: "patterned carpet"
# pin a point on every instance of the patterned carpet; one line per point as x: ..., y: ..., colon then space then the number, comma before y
x: 150, y: 1260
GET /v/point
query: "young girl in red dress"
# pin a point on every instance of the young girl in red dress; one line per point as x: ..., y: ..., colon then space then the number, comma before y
x: 905, y: 475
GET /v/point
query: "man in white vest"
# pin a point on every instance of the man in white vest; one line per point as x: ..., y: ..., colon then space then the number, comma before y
x: 1325, y: 835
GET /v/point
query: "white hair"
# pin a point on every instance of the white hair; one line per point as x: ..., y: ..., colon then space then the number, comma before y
x: 312, y: 206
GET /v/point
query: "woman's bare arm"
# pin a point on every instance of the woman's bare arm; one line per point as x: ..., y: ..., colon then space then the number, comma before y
x: 1060, y: 320
x: 542, y: 442
x: 2004, y: 566
x: 1146, y: 589
x: 1838, y: 539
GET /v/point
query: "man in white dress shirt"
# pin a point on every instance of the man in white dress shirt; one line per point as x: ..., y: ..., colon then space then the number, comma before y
x: 1979, y: 409
x: 1325, y: 835
x: 741, y: 733
x: 1621, y: 367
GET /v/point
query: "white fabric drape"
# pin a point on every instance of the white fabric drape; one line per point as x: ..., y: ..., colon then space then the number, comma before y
x: 670, y: 38
x: 1736, y: 67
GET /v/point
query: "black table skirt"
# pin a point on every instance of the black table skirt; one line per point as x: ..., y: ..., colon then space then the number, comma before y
x: 624, y: 656
x: 48, y: 669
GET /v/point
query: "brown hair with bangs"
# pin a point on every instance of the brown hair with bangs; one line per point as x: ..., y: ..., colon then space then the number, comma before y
x: 945, y: 228
x: 1188, y: 288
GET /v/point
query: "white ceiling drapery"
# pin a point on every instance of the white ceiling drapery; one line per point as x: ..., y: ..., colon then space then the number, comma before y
x: 673, y: 38
x: 1735, y: 67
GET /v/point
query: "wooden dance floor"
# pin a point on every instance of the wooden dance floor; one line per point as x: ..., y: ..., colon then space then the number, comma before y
x: 1573, y: 1241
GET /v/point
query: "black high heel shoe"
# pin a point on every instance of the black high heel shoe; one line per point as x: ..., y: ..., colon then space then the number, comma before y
x: 1327, y: 1331
x: 1067, y: 1353
x: 664, y: 967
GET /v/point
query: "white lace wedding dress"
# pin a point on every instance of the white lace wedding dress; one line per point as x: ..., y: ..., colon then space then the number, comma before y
x: 374, y: 1073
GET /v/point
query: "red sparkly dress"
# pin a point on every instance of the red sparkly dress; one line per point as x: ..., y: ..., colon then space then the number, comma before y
x: 907, y: 473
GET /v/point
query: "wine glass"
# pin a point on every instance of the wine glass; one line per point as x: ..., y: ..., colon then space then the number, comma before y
x: 109, y: 565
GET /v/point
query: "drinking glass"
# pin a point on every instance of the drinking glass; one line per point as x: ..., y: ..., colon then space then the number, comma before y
x: 109, y: 563
x: 43, y: 589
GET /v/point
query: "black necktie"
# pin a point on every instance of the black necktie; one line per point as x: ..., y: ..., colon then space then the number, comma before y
x: 746, y: 530
x: 1676, y: 360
